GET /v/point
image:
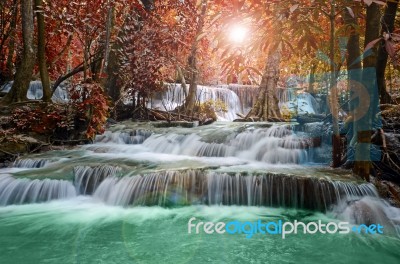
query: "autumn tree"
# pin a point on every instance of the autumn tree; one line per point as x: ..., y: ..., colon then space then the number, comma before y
x: 386, y: 47
x: 25, y: 67
x: 150, y: 45
x: 41, y: 51
x: 192, y: 60
x: 9, y: 15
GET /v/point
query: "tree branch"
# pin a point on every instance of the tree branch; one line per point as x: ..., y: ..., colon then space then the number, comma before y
x: 76, y: 70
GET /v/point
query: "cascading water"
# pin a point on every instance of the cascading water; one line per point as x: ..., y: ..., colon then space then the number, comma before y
x: 19, y: 191
x: 30, y: 163
x: 87, y: 179
x: 138, y: 185
x: 247, y: 94
x: 35, y: 91
x: 133, y: 137
x: 239, y: 165
x: 175, y: 96
x: 211, y: 188
x: 236, y: 98
x: 299, y: 103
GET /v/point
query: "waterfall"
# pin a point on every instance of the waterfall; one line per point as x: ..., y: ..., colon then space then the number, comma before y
x: 298, y: 103
x: 35, y: 91
x: 87, y: 179
x: 277, y: 144
x: 187, y: 187
x: 368, y: 210
x: 174, y: 96
x: 247, y: 94
x: 274, y: 145
x: 31, y: 163
x: 220, y: 164
x: 237, y: 98
x: 307, y: 104
x: 213, y: 188
x: 186, y: 145
x: 132, y: 137
x: 19, y: 191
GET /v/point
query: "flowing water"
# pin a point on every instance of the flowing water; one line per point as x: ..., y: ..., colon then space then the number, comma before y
x: 35, y: 91
x: 128, y: 197
x: 174, y: 96
x: 229, y: 100
x: 236, y: 99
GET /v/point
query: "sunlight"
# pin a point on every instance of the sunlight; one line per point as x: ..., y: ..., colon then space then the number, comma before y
x: 238, y: 33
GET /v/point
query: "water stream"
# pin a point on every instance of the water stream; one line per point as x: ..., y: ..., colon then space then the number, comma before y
x: 127, y: 198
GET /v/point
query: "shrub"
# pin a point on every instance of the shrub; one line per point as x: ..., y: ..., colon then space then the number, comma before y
x: 86, y: 113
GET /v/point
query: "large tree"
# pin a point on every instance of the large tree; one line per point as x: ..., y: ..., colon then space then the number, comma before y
x: 41, y: 51
x: 361, y: 141
x: 266, y: 105
x: 192, y: 60
x: 387, y: 28
x: 25, y: 68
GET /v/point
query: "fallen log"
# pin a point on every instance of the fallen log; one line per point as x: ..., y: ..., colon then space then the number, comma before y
x: 310, y: 118
x: 241, y: 115
x: 159, y: 116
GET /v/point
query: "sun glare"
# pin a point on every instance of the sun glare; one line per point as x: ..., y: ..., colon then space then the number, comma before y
x: 238, y: 33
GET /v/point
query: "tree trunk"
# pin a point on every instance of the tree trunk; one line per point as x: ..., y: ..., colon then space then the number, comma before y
x: 11, y: 43
x: 102, y: 55
x: 353, y: 43
x: 113, y: 64
x: 44, y: 73
x: 109, y: 26
x: 191, y: 97
x: 266, y: 105
x: 194, y: 74
x: 313, y: 69
x: 387, y: 24
x: 86, y: 58
x: 25, y: 68
x: 372, y: 28
x: 181, y: 77
x: 361, y: 164
x: 361, y: 140
x: 112, y: 68
x: 336, y: 142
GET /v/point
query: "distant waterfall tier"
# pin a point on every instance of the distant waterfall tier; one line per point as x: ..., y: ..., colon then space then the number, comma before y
x: 131, y: 137
x: 237, y: 99
x: 296, y: 102
x: 273, y: 145
x: 35, y: 91
x: 175, y: 96
x: 247, y: 94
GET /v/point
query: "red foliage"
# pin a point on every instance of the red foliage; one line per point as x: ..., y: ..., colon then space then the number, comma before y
x: 40, y: 120
x: 154, y: 43
x: 87, y: 112
x: 91, y: 106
